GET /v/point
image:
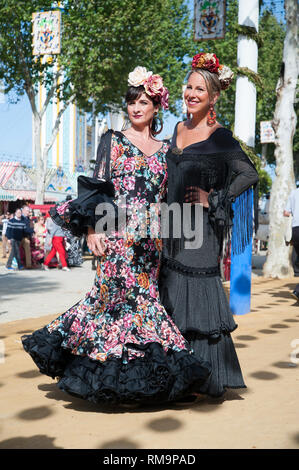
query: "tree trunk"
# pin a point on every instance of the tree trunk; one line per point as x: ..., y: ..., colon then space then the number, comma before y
x: 41, y: 154
x: 278, y: 263
x: 40, y: 167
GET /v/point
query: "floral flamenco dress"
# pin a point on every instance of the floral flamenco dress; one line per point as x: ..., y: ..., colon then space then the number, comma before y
x: 118, y: 345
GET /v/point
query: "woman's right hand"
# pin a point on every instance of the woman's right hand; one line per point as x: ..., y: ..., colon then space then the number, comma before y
x: 196, y: 195
x: 96, y: 242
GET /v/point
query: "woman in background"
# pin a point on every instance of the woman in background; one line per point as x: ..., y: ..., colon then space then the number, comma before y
x: 37, y: 243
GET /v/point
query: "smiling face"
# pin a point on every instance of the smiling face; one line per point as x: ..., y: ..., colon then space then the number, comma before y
x: 18, y: 213
x: 26, y: 211
x: 197, y: 97
x: 141, y: 109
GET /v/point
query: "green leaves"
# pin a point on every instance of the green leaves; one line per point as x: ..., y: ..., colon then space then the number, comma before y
x: 102, y: 45
x: 104, y: 40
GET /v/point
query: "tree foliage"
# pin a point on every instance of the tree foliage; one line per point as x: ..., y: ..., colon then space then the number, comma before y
x: 271, y: 36
x: 20, y: 70
x: 265, y: 182
x: 113, y: 37
x: 102, y: 41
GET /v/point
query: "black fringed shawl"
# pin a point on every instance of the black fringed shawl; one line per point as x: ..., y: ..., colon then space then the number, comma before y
x: 217, y: 163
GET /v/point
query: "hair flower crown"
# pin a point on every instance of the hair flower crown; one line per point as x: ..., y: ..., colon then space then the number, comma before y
x: 209, y: 61
x: 153, y: 84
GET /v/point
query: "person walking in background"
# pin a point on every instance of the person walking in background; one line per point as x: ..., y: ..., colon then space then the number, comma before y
x: 57, y: 234
x: 292, y: 209
x: 38, y: 241
x: 5, y: 244
x: 15, y: 232
x: 73, y: 246
x: 26, y: 240
x: 48, y: 238
x: 40, y: 230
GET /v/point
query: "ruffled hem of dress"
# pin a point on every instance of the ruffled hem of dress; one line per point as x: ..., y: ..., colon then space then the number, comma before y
x: 196, y: 303
x: 213, y: 334
x: 221, y: 354
x: 156, y: 378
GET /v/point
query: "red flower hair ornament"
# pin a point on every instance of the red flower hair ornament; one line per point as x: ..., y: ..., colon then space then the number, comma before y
x: 210, y: 62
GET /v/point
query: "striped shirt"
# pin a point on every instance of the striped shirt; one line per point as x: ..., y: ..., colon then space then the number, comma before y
x: 16, y: 229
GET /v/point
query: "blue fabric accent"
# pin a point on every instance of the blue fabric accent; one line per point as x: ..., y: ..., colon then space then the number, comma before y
x: 240, y: 282
x: 243, y: 222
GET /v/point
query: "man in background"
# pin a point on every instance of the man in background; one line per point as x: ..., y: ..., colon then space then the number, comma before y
x: 26, y: 240
x: 15, y: 232
x: 5, y: 244
x: 292, y: 209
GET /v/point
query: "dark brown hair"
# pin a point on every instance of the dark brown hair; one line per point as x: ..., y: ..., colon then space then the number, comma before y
x: 134, y: 93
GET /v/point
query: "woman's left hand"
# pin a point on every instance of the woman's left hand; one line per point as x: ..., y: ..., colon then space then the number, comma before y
x: 195, y: 195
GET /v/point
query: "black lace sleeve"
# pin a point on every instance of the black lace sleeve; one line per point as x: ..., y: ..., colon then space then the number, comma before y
x: 79, y: 214
x: 242, y: 174
x: 102, y: 166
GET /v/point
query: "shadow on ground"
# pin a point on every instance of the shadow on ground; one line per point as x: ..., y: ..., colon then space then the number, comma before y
x: 33, y: 414
x: 119, y: 444
x: 38, y: 441
x: 22, y: 285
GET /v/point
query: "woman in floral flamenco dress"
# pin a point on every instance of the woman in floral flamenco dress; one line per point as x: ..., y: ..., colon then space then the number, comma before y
x: 118, y: 345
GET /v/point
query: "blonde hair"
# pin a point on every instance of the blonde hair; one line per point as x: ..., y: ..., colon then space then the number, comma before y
x: 211, y: 79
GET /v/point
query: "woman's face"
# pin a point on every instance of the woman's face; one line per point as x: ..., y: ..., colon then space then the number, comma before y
x: 196, y: 95
x: 141, y: 111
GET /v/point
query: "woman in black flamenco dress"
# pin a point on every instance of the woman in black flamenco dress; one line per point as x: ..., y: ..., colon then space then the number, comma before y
x: 205, y: 164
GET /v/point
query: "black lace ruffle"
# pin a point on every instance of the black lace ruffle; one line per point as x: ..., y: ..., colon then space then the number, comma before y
x: 196, y: 304
x: 189, y: 270
x: 220, y: 212
x: 79, y: 214
x: 156, y: 377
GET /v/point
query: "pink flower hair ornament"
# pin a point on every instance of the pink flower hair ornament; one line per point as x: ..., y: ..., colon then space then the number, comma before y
x: 153, y: 85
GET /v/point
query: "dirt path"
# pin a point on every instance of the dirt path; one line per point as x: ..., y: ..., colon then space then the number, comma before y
x: 35, y: 414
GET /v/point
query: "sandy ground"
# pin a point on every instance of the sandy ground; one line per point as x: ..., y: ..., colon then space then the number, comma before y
x: 35, y: 414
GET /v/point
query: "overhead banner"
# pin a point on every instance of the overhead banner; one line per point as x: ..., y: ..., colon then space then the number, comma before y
x: 209, y: 19
x: 46, y: 32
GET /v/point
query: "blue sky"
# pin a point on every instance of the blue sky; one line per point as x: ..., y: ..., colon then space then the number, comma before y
x: 16, y: 130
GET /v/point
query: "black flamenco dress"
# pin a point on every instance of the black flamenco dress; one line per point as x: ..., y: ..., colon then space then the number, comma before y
x: 118, y: 345
x: 190, y: 283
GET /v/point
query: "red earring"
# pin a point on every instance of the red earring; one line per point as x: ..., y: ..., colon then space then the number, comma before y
x: 211, y: 116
